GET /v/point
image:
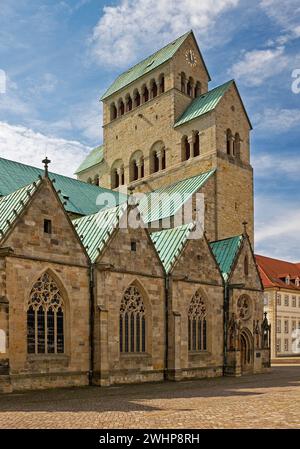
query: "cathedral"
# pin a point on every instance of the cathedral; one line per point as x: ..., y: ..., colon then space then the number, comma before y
x: 141, y: 269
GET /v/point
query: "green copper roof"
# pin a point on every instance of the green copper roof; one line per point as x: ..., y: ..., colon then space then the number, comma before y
x: 169, y: 244
x: 93, y: 158
x: 80, y: 197
x: 145, y: 66
x: 12, y: 205
x: 203, y: 104
x: 166, y: 201
x: 95, y: 230
x: 225, y: 252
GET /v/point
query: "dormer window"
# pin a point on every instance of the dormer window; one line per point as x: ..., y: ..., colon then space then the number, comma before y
x: 297, y: 282
x: 287, y: 280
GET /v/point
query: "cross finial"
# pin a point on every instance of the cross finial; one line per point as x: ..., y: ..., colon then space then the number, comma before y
x: 245, y: 227
x: 46, y: 162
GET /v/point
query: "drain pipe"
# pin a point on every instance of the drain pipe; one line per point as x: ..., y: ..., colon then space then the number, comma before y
x: 92, y: 315
x: 225, y: 323
x: 167, y: 288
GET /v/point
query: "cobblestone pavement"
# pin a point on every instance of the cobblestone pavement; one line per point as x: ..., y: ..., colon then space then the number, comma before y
x: 266, y: 400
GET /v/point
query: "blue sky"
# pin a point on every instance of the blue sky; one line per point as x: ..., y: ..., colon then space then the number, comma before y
x: 59, y: 56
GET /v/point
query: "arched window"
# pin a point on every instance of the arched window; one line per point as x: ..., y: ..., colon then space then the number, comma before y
x: 128, y: 103
x: 113, y: 111
x: 132, y: 322
x: 154, y: 89
x: 183, y: 81
x: 89, y: 180
x: 45, y: 318
x: 246, y: 265
x: 228, y: 141
x: 117, y: 174
x: 136, y: 166
x: 189, y: 87
x: 197, y: 324
x: 197, y: 89
x: 145, y: 94
x: 161, y: 83
x: 196, y: 143
x: 96, y: 180
x: 157, y: 157
x: 121, y: 108
x: 185, y: 149
x: 136, y: 98
x: 237, y: 145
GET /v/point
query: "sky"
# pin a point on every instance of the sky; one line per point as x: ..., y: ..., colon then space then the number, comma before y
x: 58, y: 57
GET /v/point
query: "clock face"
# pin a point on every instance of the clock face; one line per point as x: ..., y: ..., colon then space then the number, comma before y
x: 191, y: 58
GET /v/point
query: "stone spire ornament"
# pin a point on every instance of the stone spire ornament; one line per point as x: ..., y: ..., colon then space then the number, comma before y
x: 46, y: 162
x: 245, y: 223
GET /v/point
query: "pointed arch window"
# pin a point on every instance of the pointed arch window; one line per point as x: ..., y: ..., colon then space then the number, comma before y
x: 128, y: 103
x: 113, y: 111
x: 183, y: 82
x: 154, y: 89
x: 45, y: 318
x: 197, y: 324
x: 132, y: 322
x: 137, y: 99
x: 121, y: 108
x: 161, y: 83
x: 145, y: 94
x: 237, y: 145
x: 185, y: 148
x: 196, y: 143
x: 229, y: 142
x: 197, y: 89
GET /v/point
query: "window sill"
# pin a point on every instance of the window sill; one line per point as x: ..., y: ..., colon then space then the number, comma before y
x: 199, y: 353
x: 46, y: 357
x: 135, y: 355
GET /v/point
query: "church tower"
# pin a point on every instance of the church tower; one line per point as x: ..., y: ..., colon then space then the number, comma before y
x: 162, y: 124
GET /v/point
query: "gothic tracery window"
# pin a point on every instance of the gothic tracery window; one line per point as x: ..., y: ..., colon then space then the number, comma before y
x: 132, y: 322
x: 197, y: 324
x: 45, y: 318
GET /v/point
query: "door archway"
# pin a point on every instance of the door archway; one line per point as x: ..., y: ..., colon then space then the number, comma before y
x: 247, y: 351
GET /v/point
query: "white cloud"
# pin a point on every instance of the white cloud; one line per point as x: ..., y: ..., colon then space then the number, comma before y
x: 277, y: 120
x: 30, y: 147
x: 257, y: 66
x: 11, y: 102
x: 286, y: 14
x: 277, y: 227
x: 133, y: 27
x: 278, y: 166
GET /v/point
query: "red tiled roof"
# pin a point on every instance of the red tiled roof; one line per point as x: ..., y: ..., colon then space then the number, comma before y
x: 273, y: 270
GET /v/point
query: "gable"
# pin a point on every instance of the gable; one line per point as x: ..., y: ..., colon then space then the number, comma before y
x: 79, y: 197
x: 232, y: 97
x: 198, y: 263
x: 238, y: 276
x: 27, y: 236
x: 11, y: 206
x: 225, y: 252
x: 147, y: 65
x: 203, y: 104
x: 118, y: 252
